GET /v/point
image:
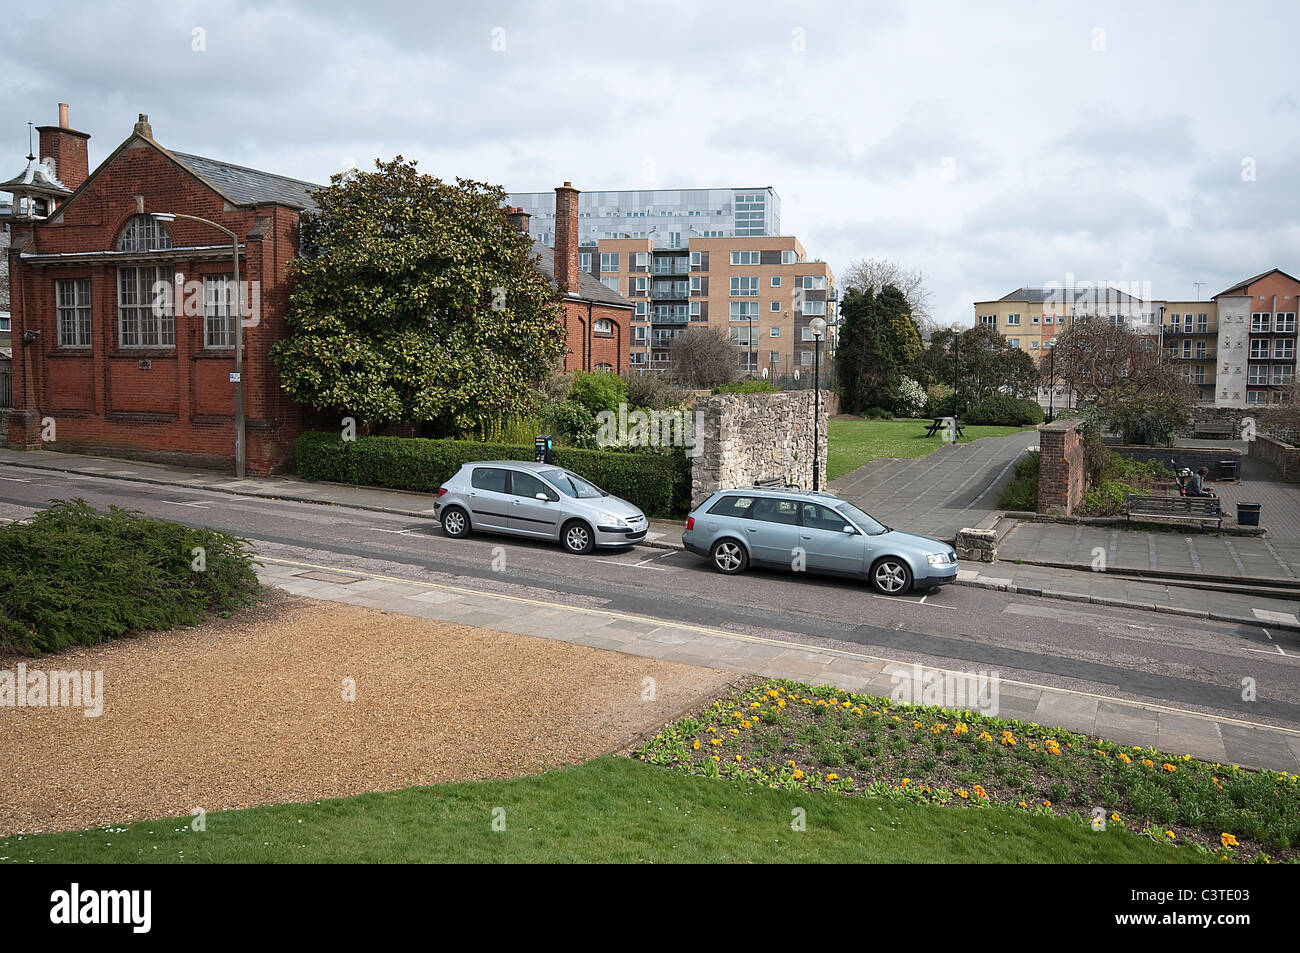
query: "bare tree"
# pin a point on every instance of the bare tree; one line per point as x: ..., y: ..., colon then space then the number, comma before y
x: 875, y: 273
x: 703, y: 357
x: 1094, y: 356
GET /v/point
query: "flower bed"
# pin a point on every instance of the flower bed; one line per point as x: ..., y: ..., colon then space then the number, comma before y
x: 788, y: 735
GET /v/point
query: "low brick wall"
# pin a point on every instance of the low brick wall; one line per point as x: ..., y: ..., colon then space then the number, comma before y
x: 1282, y: 457
x: 1190, y: 457
x: 1061, y: 477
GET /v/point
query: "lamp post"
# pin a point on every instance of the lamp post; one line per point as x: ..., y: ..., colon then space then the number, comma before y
x: 1051, y: 381
x: 239, y: 331
x: 818, y: 328
x: 956, y: 374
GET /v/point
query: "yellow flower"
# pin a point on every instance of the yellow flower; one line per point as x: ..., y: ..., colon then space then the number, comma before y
x: 962, y: 793
x: 906, y: 781
x: 985, y: 736
x: 1170, y: 768
x: 1047, y: 804
x: 696, y: 746
x: 1008, y: 739
x: 715, y: 741
x: 1114, y: 817
x: 980, y: 792
x: 1227, y: 840
x: 798, y: 775
x: 832, y: 777
x: 737, y: 757
x: 1169, y: 834
x: 1021, y: 804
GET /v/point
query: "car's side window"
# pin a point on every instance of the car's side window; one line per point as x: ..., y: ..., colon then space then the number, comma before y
x: 735, y: 506
x: 493, y: 479
x: 816, y: 516
x: 525, y: 484
x: 775, y: 510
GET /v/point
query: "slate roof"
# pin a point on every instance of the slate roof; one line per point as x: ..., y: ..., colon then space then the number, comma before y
x: 589, y: 287
x: 1243, y: 285
x: 1086, y: 295
x: 246, y: 186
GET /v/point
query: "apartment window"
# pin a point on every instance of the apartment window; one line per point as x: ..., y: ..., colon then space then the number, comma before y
x: 744, y: 287
x: 814, y: 307
x: 697, y: 283
x: 775, y: 307
x: 144, y: 308
x: 143, y: 233
x: 609, y: 261
x: 1035, y: 319
x: 1012, y: 319
x: 1187, y: 348
x: 745, y: 257
x: 218, y: 311
x: 584, y: 260
x: 695, y: 309
x: 636, y: 358
x: 989, y: 320
x: 1033, y: 345
x: 806, y: 357
x: 642, y: 283
x: 788, y: 256
x: 642, y: 309
x: 805, y: 334
x: 610, y: 283
x: 776, y: 281
x: 641, y: 334
x: 814, y: 282
x: 697, y: 259
x: 1047, y: 319
x: 745, y: 336
x: 73, y: 305
x: 774, y: 332
x: 1285, y: 322
x: 1014, y: 342
x: 1258, y: 375
x: 1187, y: 324
x: 744, y: 310
x: 774, y: 357
x: 1255, y: 396
x: 1202, y: 323
x: 642, y: 259
x: 1258, y: 350
x: 603, y: 326
x: 1259, y: 321
x: 1282, y: 374
x: 1284, y: 350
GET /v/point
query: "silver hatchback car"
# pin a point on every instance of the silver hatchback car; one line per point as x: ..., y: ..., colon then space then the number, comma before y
x: 817, y: 532
x: 539, y: 500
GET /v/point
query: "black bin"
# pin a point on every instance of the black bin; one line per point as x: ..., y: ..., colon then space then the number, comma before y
x: 1248, y: 514
x: 1228, y: 468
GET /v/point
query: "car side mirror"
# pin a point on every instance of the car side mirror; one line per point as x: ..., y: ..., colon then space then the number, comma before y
x: 543, y: 497
x: 850, y: 530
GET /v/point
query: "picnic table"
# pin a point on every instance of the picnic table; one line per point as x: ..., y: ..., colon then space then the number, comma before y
x: 952, y: 424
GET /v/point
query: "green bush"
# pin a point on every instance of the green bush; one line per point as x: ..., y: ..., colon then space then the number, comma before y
x: 75, y: 576
x: 877, y: 413
x: 1022, y: 494
x: 1003, y: 410
x: 567, y: 421
x: 599, y: 390
x: 653, y: 391
x: 757, y: 386
x: 659, y: 482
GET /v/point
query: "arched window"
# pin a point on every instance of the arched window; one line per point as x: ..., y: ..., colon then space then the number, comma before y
x: 143, y: 233
x: 607, y: 368
x: 604, y: 326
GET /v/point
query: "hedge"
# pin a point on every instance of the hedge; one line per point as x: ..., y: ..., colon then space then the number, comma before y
x: 659, y: 483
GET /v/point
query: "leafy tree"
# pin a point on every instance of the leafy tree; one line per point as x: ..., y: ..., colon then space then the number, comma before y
x: 416, y: 301
x: 1142, y: 416
x: 703, y: 357
x: 985, y: 365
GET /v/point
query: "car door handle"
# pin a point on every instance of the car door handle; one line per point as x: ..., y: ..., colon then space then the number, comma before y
x: 751, y: 529
x: 806, y: 536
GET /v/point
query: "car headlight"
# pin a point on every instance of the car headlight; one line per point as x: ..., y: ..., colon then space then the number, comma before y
x: 939, y: 559
x: 609, y: 519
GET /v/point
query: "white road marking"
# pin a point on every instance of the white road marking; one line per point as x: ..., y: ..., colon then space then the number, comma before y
x: 615, y: 562
x: 15, y: 480
x: 201, y: 504
x: 395, y: 532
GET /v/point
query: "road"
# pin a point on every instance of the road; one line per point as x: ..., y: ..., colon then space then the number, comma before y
x: 1189, y: 664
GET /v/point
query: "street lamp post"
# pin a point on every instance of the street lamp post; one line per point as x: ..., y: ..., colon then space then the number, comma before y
x: 239, y: 331
x: 818, y: 328
x: 1051, y: 383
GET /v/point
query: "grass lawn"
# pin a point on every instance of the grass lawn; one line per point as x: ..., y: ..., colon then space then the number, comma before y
x: 611, y: 809
x: 782, y: 735
x: 855, y: 442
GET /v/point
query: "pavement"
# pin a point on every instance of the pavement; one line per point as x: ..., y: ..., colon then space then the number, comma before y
x: 1173, y: 731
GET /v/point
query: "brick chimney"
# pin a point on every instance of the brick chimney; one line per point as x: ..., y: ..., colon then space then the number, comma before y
x: 64, y: 149
x: 566, y: 236
x: 518, y: 218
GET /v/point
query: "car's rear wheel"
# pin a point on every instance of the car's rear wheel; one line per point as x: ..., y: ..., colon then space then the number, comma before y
x: 455, y: 522
x: 891, y: 577
x: 729, y: 557
x: 577, y: 537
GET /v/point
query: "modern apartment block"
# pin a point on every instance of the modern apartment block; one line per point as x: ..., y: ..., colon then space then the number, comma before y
x: 700, y: 256
x: 1238, y: 348
x: 669, y: 218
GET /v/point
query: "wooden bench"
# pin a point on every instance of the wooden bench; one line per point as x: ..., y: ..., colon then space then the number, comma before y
x: 1214, y: 428
x: 1199, y: 508
x: 941, y: 423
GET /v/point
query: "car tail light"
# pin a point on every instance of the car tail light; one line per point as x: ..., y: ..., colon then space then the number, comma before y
x: 690, y: 522
x: 442, y: 490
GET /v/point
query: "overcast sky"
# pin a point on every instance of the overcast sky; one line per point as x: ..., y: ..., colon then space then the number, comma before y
x: 991, y: 145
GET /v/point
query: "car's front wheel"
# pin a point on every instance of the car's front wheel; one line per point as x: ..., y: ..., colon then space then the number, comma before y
x: 455, y: 522
x: 729, y: 557
x: 891, y: 577
x: 577, y: 538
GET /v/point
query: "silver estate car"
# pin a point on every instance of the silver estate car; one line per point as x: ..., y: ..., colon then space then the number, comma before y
x: 818, y: 532
x: 539, y: 500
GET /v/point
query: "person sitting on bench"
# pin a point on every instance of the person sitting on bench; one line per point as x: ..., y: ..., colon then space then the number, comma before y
x: 1196, y: 483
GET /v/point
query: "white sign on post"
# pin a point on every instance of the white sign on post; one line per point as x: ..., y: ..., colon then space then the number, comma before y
x: 234, y: 377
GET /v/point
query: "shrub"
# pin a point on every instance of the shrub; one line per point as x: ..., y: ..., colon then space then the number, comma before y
x: 75, y: 576
x: 948, y: 405
x: 1151, y: 419
x: 659, y: 482
x: 568, y: 421
x: 654, y: 392
x: 876, y: 413
x: 599, y: 390
x: 1022, y: 494
x: 756, y: 386
x: 1003, y: 410
x: 910, y: 398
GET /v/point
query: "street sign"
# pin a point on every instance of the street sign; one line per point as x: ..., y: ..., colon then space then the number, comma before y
x: 234, y: 377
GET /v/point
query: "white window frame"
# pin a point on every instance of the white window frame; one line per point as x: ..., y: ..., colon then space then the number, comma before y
x: 774, y: 332
x: 746, y: 257
x: 218, y: 312
x: 744, y: 286
x: 608, y: 258
x: 139, y: 323
x: 73, y: 309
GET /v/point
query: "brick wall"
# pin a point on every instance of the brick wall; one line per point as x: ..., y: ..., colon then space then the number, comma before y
x: 589, y: 348
x: 1282, y: 457
x: 1061, y: 475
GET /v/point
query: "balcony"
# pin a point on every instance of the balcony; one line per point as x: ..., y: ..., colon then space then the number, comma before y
x: 670, y: 290
x: 1207, y: 354
x: 671, y: 319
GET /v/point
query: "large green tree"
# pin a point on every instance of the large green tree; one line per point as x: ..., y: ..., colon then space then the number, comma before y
x: 985, y: 364
x: 879, y: 344
x: 415, y: 301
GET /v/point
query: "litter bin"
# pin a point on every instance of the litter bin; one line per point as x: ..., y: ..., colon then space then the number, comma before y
x: 1228, y: 468
x: 1248, y: 514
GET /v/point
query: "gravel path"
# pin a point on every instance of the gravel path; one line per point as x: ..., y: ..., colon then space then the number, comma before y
x: 250, y: 710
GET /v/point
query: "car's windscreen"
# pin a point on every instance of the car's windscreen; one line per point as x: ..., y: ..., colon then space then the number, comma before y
x: 866, y: 523
x: 570, y: 484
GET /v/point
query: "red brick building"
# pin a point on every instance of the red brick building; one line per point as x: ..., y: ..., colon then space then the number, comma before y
x: 596, y: 318
x: 123, y: 331
x: 124, y: 324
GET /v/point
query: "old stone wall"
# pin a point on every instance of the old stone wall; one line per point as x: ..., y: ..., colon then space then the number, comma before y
x: 747, y: 438
x: 1061, y: 474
